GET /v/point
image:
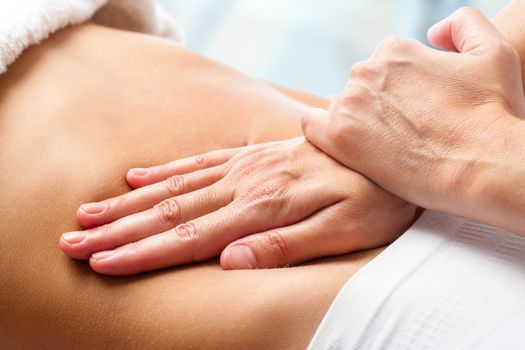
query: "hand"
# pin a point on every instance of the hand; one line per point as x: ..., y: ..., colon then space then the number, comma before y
x: 270, y: 205
x: 427, y: 124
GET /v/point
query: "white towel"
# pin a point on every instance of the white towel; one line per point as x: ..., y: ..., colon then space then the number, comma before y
x: 446, y: 283
x: 27, y: 22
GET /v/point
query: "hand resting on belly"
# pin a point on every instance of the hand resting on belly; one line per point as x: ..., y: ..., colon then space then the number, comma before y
x: 264, y: 205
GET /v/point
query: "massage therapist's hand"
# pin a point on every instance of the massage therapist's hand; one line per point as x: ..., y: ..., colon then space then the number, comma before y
x: 433, y: 127
x: 270, y: 205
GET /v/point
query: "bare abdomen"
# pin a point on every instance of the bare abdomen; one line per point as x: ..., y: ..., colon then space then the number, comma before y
x: 75, y: 113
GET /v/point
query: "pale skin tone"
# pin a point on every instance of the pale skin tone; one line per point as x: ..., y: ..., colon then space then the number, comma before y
x: 214, y: 199
x: 474, y: 82
x: 458, y: 149
x: 272, y: 204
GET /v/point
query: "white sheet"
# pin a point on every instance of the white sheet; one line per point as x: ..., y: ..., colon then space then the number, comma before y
x: 447, y: 283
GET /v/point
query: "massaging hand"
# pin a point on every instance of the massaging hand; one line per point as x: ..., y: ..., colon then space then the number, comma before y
x: 270, y: 205
x: 424, y: 123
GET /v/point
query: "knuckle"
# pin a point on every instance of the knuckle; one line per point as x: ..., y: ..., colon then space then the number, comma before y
x: 274, y: 247
x: 107, y: 230
x: 175, y: 184
x: 355, y: 95
x: 334, y: 100
x: 134, y: 256
x: 506, y: 53
x: 117, y: 203
x: 390, y: 44
x: 356, y: 100
x: 190, y: 236
x: 134, y: 249
x: 467, y: 11
x: 411, y: 45
x: 168, y: 211
x: 393, y: 48
x: 187, y: 231
x: 364, y: 69
x: 200, y: 159
x: 341, y: 131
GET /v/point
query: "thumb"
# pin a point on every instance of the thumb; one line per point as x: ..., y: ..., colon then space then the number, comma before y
x: 314, y: 237
x: 467, y: 31
x: 316, y: 129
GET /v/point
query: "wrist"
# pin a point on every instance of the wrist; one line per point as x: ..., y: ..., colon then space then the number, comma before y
x: 495, y: 194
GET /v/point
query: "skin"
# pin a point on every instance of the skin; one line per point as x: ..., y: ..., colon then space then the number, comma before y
x: 512, y: 29
x: 71, y: 110
x: 459, y: 149
x: 266, y: 205
x: 278, y: 193
x: 47, y: 300
x: 451, y: 167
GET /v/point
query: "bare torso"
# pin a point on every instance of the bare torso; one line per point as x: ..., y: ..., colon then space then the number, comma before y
x: 75, y: 113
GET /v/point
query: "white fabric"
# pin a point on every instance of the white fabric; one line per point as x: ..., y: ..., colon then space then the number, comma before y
x: 27, y: 22
x: 447, y: 283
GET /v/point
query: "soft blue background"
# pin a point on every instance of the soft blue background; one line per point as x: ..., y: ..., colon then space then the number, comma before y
x: 306, y: 44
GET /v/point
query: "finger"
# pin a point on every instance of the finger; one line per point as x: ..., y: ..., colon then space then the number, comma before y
x: 204, y: 237
x: 163, y: 216
x: 467, y: 30
x: 316, y: 129
x: 95, y: 214
x: 173, y: 247
x: 139, y: 177
x: 315, y: 237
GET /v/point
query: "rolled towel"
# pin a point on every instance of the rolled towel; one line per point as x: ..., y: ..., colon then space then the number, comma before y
x: 27, y: 22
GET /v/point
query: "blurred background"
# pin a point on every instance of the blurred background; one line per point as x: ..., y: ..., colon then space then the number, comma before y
x: 306, y: 44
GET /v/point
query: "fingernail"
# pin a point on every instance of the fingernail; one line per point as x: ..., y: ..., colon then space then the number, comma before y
x: 241, y: 257
x: 139, y: 171
x: 74, y: 237
x: 102, y: 255
x: 93, y: 208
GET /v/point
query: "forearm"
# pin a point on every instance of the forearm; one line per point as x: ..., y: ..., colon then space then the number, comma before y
x: 498, y: 188
x: 497, y: 181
